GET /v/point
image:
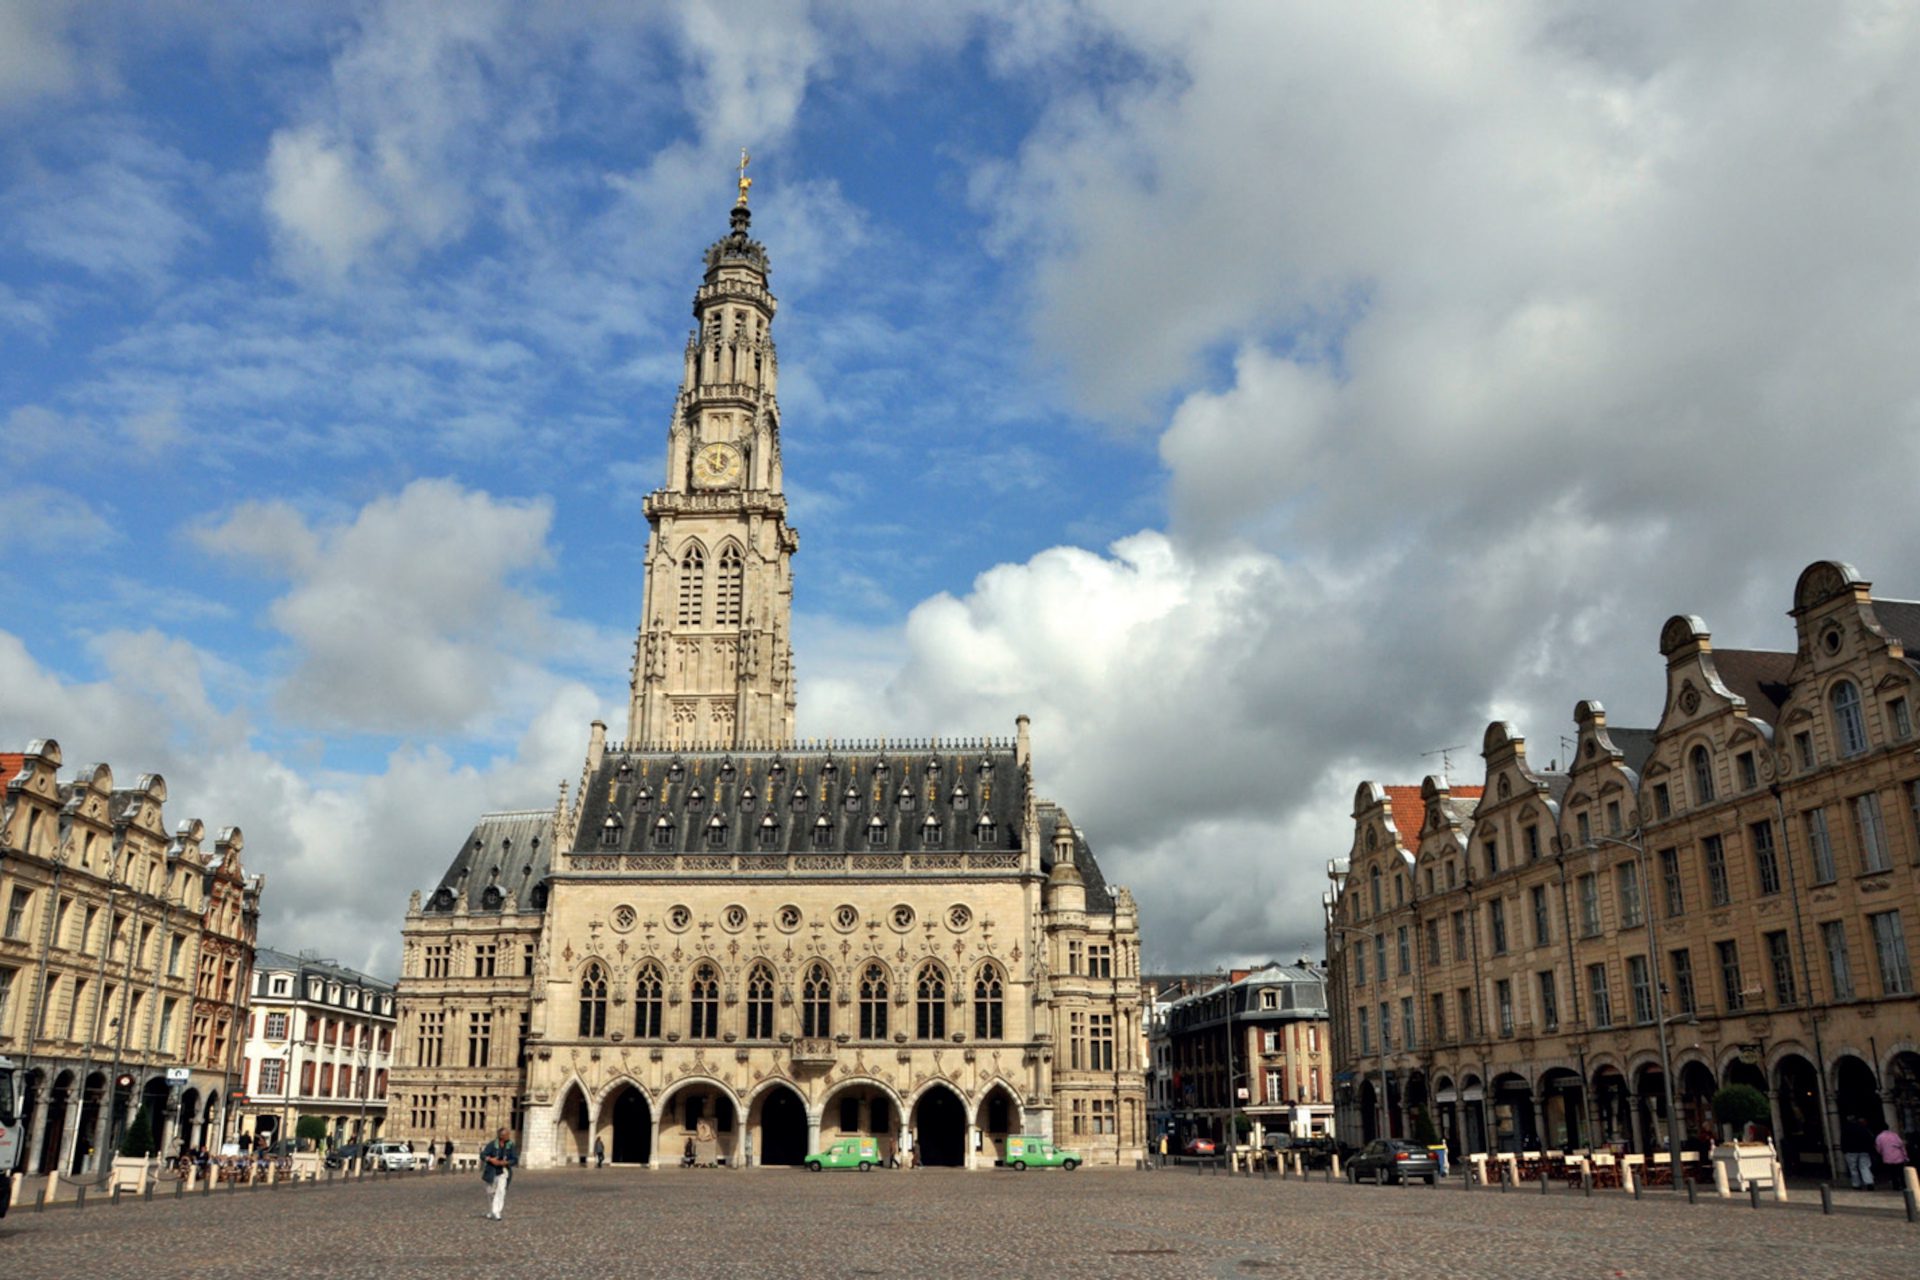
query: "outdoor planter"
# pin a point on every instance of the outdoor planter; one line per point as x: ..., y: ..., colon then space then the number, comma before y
x: 1745, y: 1162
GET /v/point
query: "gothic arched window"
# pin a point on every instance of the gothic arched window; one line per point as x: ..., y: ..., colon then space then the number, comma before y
x: 593, y: 1001
x: 1701, y: 762
x: 703, y: 1005
x: 873, y: 1003
x: 1849, y: 729
x: 930, y: 999
x: 693, y: 585
x: 816, y: 1002
x: 760, y: 1003
x: 649, y: 1000
x: 729, y: 588
x: 988, y: 1004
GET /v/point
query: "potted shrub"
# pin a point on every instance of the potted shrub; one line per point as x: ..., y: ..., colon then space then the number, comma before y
x: 130, y: 1161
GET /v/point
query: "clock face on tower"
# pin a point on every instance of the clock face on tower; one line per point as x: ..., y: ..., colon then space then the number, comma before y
x: 716, y: 466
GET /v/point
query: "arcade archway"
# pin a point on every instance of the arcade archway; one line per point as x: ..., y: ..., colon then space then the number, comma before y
x: 940, y: 1129
x: 631, y: 1121
x: 1801, y: 1142
x: 782, y: 1126
x: 999, y: 1116
x: 573, y: 1139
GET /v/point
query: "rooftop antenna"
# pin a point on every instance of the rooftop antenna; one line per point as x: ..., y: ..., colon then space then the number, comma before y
x: 1446, y: 760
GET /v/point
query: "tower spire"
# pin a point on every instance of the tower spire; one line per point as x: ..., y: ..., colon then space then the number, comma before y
x: 713, y: 666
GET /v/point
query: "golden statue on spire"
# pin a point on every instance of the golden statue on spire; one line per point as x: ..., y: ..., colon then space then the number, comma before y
x: 745, y: 181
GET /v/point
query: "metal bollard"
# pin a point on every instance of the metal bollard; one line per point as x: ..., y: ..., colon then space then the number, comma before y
x: 1913, y: 1205
x: 1637, y: 1184
x: 1692, y: 1192
x: 1826, y: 1199
x: 1586, y: 1181
x: 113, y: 1197
x: 146, y: 1192
x: 1545, y: 1181
x: 1753, y: 1192
x: 80, y: 1198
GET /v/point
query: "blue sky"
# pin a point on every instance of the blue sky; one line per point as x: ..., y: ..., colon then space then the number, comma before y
x: 1259, y: 397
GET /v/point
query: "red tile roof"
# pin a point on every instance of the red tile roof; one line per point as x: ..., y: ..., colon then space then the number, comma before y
x: 1409, y: 813
x: 9, y: 766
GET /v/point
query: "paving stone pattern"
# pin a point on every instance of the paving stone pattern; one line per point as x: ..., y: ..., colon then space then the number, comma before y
x: 620, y: 1222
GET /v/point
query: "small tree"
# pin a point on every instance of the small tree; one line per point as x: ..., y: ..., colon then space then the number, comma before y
x: 138, y: 1139
x: 1739, y: 1105
x: 1424, y: 1134
x: 311, y: 1130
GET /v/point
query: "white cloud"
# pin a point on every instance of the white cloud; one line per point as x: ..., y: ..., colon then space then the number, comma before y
x: 414, y: 614
x: 36, y: 58
x: 319, y: 203
x: 48, y: 519
x: 340, y: 850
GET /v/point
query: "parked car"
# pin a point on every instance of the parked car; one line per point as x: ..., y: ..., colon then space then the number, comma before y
x: 1315, y: 1152
x: 846, y: 1153
x: 389, y: 1155
x: 1198, y: 1147
x: 1391, y: 1160
x: 1040, y: 1154
x: 339, y: 1156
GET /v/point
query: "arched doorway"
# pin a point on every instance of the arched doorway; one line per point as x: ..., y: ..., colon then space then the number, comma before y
x: 1369, y: 1112
x: 58, y: 1103
x: 154, y: 1098
x: 999, y: 1116
x: 632, y: 1121
x: 1446, y: 1113
x: 189, y: 1119
x: 1903, y: 1091
x: 1696, y: 1106
x: 1415, y: 1102
x: 783, y: 1127
x: 940, y: 1129
x: 1650, y: 1086
x: 92, y: 1098
x: 1514, y: 1129
x: 1856, y: 1093
x: 1612, y: 1113
x: 573, y: 1136
x: 1801, y: 1143
x: 31, y: 1089
x: 1473, y: 1113
x: 1562, y: 1105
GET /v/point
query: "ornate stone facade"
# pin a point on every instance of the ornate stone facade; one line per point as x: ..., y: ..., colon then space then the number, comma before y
x: 1747, y: 872
x: 124, y: 951
x: 728, y: 947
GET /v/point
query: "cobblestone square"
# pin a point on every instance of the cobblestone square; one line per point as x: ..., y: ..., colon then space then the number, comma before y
x: 938, y: 1223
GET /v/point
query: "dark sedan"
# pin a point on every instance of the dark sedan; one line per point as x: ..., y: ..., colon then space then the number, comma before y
x: 1390, y: 1160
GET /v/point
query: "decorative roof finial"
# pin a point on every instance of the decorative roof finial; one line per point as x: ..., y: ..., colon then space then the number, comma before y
x: 745, y: 181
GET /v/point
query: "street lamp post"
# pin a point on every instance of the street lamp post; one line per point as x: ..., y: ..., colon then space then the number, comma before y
x: 1373, y: 939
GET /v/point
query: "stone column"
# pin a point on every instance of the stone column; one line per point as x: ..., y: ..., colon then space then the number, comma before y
x: 813, y: 1130
x: 653, y: 1140
x: 538, y: 1144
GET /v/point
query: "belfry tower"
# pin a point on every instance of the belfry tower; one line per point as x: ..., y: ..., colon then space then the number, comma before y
x: 713, y: 665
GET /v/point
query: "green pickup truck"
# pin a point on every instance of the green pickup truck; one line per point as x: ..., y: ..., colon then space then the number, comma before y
x: 1039, y: 1153
x: 846, y: 1153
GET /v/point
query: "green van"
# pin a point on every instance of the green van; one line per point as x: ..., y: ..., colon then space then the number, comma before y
x: 846, y: 1153
x: 1039, y: 1153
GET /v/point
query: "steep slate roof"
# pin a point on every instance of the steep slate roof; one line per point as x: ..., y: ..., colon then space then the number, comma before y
x: 1902, y: 619
x: 786, y: 794
x: 266, y: 958
x: 1636, y: 746
x: 623, y: 801
x: 1759, y: 676
x: 510, y: 851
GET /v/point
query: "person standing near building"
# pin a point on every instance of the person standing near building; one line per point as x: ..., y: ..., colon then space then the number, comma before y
x: 1856, y: 1148
x: 1893, y: 1154
x: 599, y: 1153
x: 497, y: 1161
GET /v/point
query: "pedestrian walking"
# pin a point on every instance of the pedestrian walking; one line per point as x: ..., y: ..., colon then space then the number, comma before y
x: 446, y: 1153
x: 1892, y: 1150
x: 599, y: 1153
x: 1856, y: 1149
x: 497, y: 1161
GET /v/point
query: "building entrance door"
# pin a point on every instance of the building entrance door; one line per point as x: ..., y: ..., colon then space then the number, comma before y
x: 783, y: 1128
x: 632, y: 1129
x: 940, y: 1129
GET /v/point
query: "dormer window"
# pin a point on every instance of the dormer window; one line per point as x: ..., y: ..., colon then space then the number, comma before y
x: 716, y: 831
x: 747, y: 796
x: 957, y: 799
x: 799, y: 797
x: 625, y: 770
x: 905, y: 798
x: 933, y: 767
x: 851, y: 798
x: 776, y: 770
x: 822, y: 833
x: 696, y: 798
x: 769, y: 832
x: 676, y: 771
x: 876, y: 831
x: 726, y: 767
x: 828, y: 769
x: 880, y: 769
x: 610, y: 833
x: 984, y: 830
x: 986, y: 768
x: 930, y: 830
x: 643, y: 800
x: 663, y: 833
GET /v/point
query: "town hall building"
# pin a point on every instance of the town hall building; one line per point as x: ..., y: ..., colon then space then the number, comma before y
x: 730, y: 948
